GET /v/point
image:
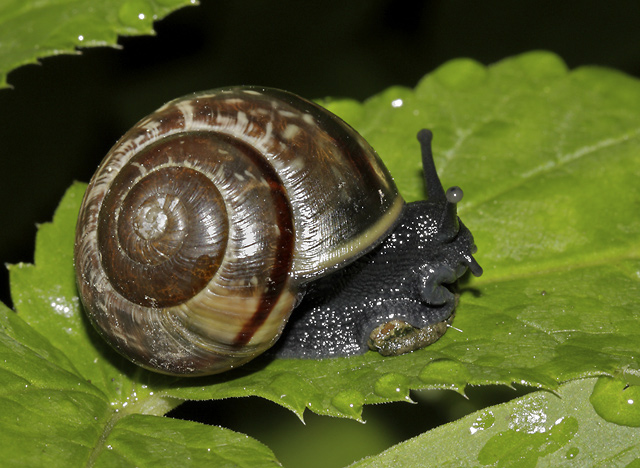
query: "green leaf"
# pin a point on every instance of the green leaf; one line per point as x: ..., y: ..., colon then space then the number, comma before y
x: 64, y: 403
x: 32, y: 30
x: 538, y: 430
x: 549, y: 161
x: 140, y: 440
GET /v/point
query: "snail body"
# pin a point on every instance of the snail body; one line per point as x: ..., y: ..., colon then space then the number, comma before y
x: 206, y: 224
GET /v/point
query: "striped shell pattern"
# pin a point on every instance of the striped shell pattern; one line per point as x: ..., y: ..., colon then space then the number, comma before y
x: 203, y: 224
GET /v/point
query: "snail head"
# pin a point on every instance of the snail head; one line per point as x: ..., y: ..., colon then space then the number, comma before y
x: 448, y: 223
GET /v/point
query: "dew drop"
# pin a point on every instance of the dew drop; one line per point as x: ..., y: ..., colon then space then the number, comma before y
x: 572, y: 453
x: 135, y: 14
x: 392, y: 386
x: 446, y: 373
x: 349, y: 402
x: 499, y: 449
x: 482, y: 422
x: 616, y: 401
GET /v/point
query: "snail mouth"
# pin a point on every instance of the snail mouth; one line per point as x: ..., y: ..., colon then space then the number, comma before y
x: 439, y: 282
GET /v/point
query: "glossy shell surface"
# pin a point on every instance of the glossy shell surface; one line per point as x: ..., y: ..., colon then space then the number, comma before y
x: 203, y: 223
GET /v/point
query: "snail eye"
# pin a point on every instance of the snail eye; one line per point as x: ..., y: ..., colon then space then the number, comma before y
x: 454, y: 194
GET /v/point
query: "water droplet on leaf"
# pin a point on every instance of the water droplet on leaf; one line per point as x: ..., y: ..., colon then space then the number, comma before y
x: 349, y: 402
x: 392, y: 386
x: 482, y: 422
x: 531, y: 445
x: 446, y: 373
x: 135, y: 14
x: 572, y: 453
x: 616, y: 401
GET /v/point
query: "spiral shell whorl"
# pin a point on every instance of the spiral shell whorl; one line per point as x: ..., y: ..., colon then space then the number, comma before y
x: 219, y: 180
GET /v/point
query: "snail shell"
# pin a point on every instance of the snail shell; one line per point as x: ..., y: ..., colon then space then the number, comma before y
x: 202, y: 225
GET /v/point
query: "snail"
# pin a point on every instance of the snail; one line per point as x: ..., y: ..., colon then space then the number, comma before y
x: 216, y: 216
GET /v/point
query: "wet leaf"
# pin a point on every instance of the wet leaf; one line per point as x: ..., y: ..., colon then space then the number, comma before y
x: 33, y: 30
x: 53, y: 416
x: 541, y: 429
x: 549, y: 161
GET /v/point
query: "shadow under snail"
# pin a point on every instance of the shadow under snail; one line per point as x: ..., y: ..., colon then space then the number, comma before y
x: 221, y: 212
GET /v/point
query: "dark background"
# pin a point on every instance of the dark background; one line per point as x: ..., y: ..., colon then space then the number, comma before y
x: 61, y: 118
